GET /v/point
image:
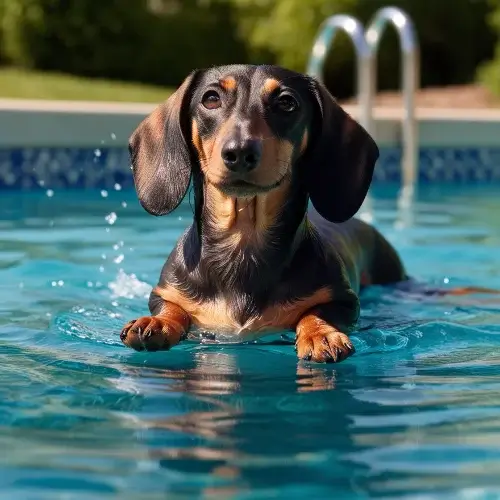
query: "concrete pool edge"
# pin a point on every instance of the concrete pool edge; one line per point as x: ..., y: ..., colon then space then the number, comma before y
x: 84, y: 143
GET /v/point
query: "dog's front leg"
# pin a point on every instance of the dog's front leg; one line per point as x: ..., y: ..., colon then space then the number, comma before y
x: 320, y: 337
x: 166, y: 328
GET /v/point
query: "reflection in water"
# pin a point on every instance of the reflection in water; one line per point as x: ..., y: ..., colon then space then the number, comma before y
x: 237, y: 427
x: 311, y: 378
x: 235, y: 430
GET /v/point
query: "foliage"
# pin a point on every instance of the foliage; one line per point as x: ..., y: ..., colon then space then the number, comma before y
x: 118, y: 39
x: 161, y: 41
x: 489, y: 72
x: 453, y: 37
x: 2, y: 51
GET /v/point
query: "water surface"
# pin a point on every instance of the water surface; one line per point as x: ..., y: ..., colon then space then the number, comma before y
x: 415, y: 414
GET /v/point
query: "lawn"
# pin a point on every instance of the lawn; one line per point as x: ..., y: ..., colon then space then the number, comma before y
x: 24, y: 84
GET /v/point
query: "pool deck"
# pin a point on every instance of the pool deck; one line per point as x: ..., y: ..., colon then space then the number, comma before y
x: 87, y: 123
x: 137, y: 108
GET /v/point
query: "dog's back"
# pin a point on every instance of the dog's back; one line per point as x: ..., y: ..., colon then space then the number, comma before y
x: 368, y: 258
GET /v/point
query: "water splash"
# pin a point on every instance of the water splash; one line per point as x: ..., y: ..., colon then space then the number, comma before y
x: 129, y: 286
x: 95, y: 324
x: 111, y: 218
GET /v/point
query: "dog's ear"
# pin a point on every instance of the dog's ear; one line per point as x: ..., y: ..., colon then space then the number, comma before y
x: 160, y: 153
x: 340, y: 164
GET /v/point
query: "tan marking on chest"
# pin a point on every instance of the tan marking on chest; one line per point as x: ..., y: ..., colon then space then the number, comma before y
x: 215, y: 315
x: 245, y: 220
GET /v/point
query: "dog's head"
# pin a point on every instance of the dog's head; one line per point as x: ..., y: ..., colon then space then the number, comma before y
x: 245, y: 129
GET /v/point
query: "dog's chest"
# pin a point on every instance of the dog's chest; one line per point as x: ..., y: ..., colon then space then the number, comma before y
x: 221, y: 314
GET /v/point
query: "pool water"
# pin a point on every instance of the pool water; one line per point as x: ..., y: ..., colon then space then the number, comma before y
x: 414, y: 414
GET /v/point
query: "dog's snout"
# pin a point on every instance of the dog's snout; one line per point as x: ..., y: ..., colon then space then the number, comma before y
x: 242, y: 156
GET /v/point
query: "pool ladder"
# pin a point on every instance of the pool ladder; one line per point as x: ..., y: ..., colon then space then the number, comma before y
x: 366, y: 47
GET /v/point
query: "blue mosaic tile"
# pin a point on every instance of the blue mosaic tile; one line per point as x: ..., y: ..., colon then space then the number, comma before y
x: 50, y: 168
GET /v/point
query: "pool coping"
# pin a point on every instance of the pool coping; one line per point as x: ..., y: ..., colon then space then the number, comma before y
x: 140, y: 108
x: 42, y: 123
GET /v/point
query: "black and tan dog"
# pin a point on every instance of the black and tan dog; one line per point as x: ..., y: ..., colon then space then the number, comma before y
x: 259, y: 143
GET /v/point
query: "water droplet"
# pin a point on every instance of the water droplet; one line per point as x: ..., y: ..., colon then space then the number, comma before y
x: 60, y: 283
x: 41, y: 183
x: 104, y: 193
x: 118, y: 245
x: 97, y: 152
x: 54, y: 283
x: 90, y: 284
x: 114, y: 303
x: 111, y: 218
x: 118, y: 187
x: 101, y: 270
x: 107, y: 229
x: 124, y: 204
x: 48, y: 315
x: 113, y: 136
x: 179, y: 218
x: 50, y: 193
x: 102, y: 142
x: 103, y: 256
x: 119, y: 259
x: 446, y: 280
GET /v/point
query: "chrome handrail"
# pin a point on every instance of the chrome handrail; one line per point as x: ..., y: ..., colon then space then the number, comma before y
x: 366, y: 46
x: 326, y: 36
x: 410, y: 79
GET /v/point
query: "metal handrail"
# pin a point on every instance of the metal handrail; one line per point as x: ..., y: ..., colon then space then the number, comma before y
x: 410, y: 79
x: 326, y: 36
x: 366, y: 46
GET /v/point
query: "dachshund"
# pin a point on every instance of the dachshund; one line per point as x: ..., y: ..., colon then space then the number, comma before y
x: 278, y: 172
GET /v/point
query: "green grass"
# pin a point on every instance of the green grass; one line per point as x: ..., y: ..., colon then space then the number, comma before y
x: 25, y: 84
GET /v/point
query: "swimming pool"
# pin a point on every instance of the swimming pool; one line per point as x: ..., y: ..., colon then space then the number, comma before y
x: 414, y: 414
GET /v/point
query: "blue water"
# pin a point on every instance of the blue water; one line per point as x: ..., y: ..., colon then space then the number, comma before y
x: 414, y: 414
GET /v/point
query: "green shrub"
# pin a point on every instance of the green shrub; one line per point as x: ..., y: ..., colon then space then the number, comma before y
x: 117, y: 38
x: 194, y: 37
x: 2, y: 48
x: 127, y: 40
x: 453, y: 37
x: 489, y: 73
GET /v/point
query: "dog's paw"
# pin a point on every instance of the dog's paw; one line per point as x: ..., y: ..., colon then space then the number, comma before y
x: 151, y: 333
x: 323, y: 346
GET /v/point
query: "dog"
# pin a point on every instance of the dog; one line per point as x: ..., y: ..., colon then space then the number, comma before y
x: 278, y: 172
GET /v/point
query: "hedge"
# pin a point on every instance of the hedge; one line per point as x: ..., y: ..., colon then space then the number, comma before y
x: 121, y: 39
x: 453, y: 36
x: 489, y: 72
x: 130, y: 40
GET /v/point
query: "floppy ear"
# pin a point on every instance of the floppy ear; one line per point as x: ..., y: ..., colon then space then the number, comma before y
x: 340, y: 166
x: 160, y: 153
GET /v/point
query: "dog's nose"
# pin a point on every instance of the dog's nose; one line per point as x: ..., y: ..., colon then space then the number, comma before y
x: 242, y: 156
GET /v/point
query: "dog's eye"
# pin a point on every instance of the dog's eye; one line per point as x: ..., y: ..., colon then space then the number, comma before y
x: 211, y: 100
x: 287, y: 103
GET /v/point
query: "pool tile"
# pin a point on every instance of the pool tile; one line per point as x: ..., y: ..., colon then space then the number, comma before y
x: 104, y: 167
